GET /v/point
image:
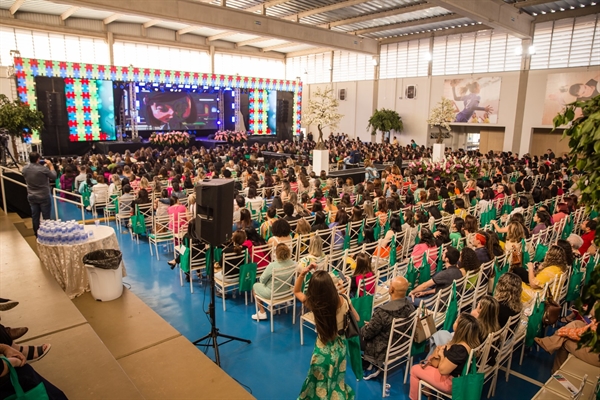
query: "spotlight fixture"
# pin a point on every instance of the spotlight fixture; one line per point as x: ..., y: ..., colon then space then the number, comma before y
x: 534, y: 14
x: 531, y: 50
x: 582, y: 5
x: 543, y: 12
x: 562, y: 9
x: 552, y: 10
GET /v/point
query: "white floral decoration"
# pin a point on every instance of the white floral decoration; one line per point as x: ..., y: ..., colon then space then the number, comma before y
x: 442, y: 114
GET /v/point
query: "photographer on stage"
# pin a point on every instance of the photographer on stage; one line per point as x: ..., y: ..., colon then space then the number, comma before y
x: 38, y: 177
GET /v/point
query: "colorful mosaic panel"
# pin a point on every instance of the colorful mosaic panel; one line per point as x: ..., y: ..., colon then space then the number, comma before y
x: 259, y: 112
x: 28, y: 68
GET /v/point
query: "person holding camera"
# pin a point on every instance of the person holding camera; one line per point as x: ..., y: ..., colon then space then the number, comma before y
x: 37, y: 177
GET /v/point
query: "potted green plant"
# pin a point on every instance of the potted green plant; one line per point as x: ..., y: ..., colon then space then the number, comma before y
x: 584, y: 141
x: 19, y: 119
x: 385, y: 120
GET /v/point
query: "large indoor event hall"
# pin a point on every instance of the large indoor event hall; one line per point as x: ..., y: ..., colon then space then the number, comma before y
x: 299, y: 199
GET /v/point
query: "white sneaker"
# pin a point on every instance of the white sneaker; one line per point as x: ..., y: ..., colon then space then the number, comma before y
x: 259, y: 316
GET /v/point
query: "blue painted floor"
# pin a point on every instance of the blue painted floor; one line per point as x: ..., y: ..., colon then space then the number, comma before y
x: 274, y: 365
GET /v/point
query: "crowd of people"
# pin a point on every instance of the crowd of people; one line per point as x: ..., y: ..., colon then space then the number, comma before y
x: 278, y: 200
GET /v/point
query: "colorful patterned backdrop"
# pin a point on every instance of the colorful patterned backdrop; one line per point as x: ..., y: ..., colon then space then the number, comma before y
x: 259, y: 112
x: 28, y: 68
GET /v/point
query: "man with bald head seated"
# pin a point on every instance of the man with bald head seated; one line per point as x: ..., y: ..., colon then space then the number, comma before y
x: 376, y: 332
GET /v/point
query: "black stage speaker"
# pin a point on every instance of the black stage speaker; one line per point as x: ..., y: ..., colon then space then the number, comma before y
x: 284, y: 115
x: 214, y: 211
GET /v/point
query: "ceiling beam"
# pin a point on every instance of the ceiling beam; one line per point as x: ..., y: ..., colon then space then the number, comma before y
x: 252, y: 41
x: 111, y: 18
x: 407, y: 24
x: 529, y: 3
x: 266, y: 4
x: 443, y: 32
x: 15, y: 7
x: 576, y: 12
x: 369, y: 17
x: 494, y: 13
x: 220, y: 36
x: 320, y: 10
x: 223, y: 18
x: 307, y: 52
x: 62, y: 29
x: 187, y: 29
x: 69, y: 12
x: 150, y: 23
x: 278, y: 46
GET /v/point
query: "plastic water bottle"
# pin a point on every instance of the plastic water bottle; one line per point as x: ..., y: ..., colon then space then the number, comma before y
x: 387, y: 389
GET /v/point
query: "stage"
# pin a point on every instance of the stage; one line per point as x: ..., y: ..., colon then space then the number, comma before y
x: 357, y: 174
x: 120, y: 147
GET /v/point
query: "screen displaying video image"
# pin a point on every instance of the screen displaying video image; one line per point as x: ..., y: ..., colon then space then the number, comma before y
x: 177, y: 110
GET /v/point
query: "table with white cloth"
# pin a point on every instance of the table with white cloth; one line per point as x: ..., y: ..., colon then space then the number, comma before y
x: 65, y: 262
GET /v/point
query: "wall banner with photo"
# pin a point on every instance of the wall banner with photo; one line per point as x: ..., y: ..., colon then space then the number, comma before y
x: 476, y: 100
x: 562, y: 89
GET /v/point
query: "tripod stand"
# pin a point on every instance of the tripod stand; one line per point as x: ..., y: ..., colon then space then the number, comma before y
x: 211, y: 337
x: 5, y: 154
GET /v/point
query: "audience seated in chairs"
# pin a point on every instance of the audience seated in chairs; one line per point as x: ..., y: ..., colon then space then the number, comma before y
x: 447, y: 361
x: 440, y: 280
x: 263, y: 286
x: 565, y: 342
x: 536, y: 276
x: 508, y: 293
x: 375, y: 334
x: 237, y: 247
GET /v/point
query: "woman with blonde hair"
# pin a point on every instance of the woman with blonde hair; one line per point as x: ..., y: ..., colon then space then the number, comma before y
x: 508, y: 293
x: 315, y: 254
x: 554, y: 265
x: 263, y: 286
x: 302, y: 227
x: 368, y: 209
x: 512, y: 247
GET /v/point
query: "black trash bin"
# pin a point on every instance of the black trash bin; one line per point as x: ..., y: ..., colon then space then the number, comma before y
x: 105, y: 273
x: 104, y: 258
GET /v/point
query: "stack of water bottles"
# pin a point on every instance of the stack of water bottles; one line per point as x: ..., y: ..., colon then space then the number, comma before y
x: 62, y: 233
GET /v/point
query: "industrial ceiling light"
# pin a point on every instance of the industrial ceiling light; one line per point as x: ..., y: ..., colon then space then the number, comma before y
x: 534, y: 14
x: 531, y: 50
x: 518, y: 50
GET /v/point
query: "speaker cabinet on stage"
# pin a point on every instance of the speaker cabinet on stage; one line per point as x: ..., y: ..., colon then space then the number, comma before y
x: 214, y: 210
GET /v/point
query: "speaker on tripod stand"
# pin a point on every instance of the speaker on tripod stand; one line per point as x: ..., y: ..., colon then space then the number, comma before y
x: 214, y: 219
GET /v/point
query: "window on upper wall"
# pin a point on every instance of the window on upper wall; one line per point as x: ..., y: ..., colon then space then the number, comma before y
x: 349, y: 66
x: 234, y: 64
x: 51, y: 46
x: 313, y: 68
x: 160, y: 57
x: 568, y: 42
x: 404, y: 59
x: 477, y: 52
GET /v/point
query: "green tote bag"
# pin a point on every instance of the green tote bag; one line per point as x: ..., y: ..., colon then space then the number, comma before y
x: 37, y: 393
x: 452, y: 311
x: 247, y: 276
x: 469, y: 385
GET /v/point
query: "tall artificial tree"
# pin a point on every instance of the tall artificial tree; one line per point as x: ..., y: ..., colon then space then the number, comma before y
x: 441, y: 116
x: 385, y: 120
x: 322, y: 111
x: 18, y: 119
x: 584, y: 141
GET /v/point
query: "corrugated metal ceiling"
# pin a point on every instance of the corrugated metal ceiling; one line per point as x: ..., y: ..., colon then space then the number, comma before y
x: 557, y: 6
x: 394, y: 19
x: 43, y: 7
x: 437, y: 25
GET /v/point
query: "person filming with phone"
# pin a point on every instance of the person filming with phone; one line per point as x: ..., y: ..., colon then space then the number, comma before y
x: 38, y: 175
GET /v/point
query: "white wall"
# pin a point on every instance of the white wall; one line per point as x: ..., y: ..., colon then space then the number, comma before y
x: 534, y: 102
x: 5, y: 83
x: 356, y: 108
x: 507, y: 108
